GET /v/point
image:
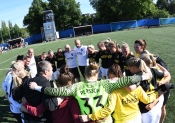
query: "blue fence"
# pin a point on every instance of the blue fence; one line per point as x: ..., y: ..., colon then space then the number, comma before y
x: 123, y: 25
x: 101, y: 28
x: 148, y: 22
x: 66, y: 33
x: 166, y: 21
x: 109, y: 27
x: 33, y: 39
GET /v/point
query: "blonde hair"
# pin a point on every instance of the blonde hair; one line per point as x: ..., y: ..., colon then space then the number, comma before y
x: 91, y: 46
x: 91, y: 70
x: 140, y: 64
x: 149, y: 60
x: 124, y: 45
x: 18, y: 73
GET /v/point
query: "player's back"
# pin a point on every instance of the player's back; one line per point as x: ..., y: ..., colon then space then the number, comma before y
x: 91, y: 97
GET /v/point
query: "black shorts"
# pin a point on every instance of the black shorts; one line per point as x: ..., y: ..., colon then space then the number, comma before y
x: 18, y: 117
x: 82, y: 70
x: 75, y: 72
x: 166, y: 96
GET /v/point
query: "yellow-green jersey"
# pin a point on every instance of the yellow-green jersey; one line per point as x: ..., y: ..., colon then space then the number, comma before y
x: 92, y: 97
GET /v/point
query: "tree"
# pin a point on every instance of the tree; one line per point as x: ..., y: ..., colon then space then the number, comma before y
x: 107, y: 10
x: 172, y: 7
x: 5, y: 31
x: 10, y: 32
x: 162, y: 4
x: 67, y: 13
x: 87, y: 20
x: 137, y: 9
x: 94, y: 4
x: 119, y: 10
x: 161, y: 14
x: 15, y: 32
x: 34, y: 19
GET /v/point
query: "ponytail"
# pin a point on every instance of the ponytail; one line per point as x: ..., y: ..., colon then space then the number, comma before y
x: 91, y: 70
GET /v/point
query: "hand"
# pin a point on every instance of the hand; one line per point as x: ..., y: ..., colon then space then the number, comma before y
x: 149, y: 106
x: 32, y: 85
x: 160, y: 83
x: 6, y: 96
x: 160, y: 92
x: 23, y: 109
x: 146, y: 76
x: 24, y: 100
x: 84, y: 118
x: 101, y: 120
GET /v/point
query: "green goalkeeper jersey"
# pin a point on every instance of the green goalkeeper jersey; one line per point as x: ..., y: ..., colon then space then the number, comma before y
x: 91, y: 96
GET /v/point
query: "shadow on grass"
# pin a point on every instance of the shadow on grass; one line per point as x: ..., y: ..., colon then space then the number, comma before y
x: 5, y: 113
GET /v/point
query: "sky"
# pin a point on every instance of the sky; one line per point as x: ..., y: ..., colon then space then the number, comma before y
x: 15, y: 10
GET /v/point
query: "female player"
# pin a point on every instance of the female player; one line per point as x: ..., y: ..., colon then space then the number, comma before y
x: 91, y: 94
x: 124, y: 101
x: 12, y: 81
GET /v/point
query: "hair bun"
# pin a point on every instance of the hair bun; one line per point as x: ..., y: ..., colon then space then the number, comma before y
x: 93, y: 66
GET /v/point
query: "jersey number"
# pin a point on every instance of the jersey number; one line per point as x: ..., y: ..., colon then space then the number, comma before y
x: 98, y: 98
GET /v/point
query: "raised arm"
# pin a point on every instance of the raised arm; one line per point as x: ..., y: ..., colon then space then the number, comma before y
x: 124, y: 81
x: 167, y: 76
x: 61, y: 91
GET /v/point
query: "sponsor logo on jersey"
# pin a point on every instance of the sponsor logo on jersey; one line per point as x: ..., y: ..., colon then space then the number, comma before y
x: 116, y: 61
x: 126, y: 67
x: 69, y: 58
x: 109, y: 56
x: 130, y: 100
x: 104, y: 56
x: 79, y: 53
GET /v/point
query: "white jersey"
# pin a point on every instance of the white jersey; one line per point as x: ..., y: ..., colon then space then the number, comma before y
x: 7, y: 85
x: 32, y: 67
x: 71, y: 59
x: 82, y: 55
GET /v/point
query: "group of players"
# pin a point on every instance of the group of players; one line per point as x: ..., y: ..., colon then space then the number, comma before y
x: 94, y: 98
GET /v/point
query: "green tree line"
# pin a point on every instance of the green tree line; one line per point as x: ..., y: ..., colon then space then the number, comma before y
x: 8, y: 32
x: 67, y: 14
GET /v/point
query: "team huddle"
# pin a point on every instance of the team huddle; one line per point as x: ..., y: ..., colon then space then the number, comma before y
x: 108, y: 85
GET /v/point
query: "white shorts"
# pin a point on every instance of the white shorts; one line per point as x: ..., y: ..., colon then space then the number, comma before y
x: 153, y: 116
x: 104, y: 72
x: 138, y: 119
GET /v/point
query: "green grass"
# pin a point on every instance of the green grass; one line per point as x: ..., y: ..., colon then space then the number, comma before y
x: 160, y: 41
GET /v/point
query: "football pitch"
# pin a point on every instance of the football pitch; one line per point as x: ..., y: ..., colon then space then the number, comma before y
x: 160, y: 41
